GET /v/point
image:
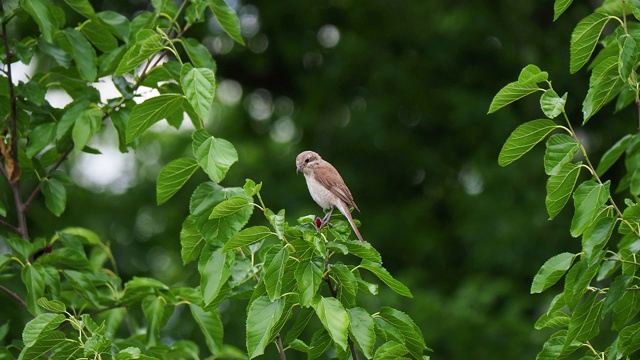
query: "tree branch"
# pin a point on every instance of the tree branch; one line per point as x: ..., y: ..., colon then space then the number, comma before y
x: 280, y: 347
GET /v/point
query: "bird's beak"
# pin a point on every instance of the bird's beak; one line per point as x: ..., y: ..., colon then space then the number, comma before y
x: 298, y: 168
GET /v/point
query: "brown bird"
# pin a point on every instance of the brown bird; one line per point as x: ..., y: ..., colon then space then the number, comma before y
x: 326, y: 187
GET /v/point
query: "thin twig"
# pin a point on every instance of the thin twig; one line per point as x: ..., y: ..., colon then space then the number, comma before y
x: 14, y: 296
x: 280, y: 347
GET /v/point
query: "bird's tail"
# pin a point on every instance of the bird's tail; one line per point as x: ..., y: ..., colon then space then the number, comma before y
x: 344, y: 209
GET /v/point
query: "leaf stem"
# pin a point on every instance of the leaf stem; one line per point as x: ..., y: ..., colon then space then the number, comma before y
x: 14, y: 296
x: 280, y: 347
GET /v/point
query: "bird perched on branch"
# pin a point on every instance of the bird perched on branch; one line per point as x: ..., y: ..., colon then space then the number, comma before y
x: 327, y: 187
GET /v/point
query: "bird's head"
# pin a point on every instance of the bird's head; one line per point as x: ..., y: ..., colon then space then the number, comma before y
x: 306, y: 161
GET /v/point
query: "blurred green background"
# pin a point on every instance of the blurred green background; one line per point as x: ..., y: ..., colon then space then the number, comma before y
x: 394, y: 94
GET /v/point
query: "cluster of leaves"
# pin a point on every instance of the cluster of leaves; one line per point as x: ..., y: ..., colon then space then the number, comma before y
x: 600, y: 282
x: 288, y: 274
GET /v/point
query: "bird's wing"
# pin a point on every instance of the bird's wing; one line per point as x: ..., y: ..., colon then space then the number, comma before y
x: 329, y: 177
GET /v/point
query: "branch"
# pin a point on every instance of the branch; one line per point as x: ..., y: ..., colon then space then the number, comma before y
x: 280, y: 347
x: 14, y: 296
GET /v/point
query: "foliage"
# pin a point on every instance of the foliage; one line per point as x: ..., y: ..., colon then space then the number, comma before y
x: 600, y: 286
x: 287, y: 274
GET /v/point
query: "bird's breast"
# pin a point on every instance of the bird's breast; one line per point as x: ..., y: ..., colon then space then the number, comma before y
x: 321, y: 195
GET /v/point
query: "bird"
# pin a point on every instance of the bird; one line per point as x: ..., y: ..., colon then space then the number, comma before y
x: 326, y: 187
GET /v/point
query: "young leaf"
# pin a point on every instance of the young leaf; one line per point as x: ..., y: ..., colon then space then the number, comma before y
x: 523, y: 139
x: 561, y: 149
x: 334, y: 318
x: 198, y: 54
x: 551, y: 104
x: 87, y: 124
x: 383, y: 274
x: 55, y: 306
x: 556, y: 319
x: 147, y: 44
x: 361, y: 326
x: 584, y: 39
x: 589, y: 198
x: 552, y: 270
x: 262, y: 316
x: 247, y: 236
x: 199, y: 87
x: 83, y: 54
x: 39, y: 137
x: 559, y: 188
x: 216, y: 156
x: 510, y: 93
x: 150, y: 112
x: 227, y: 18
x: 173, y: 176
x: 613, y: 154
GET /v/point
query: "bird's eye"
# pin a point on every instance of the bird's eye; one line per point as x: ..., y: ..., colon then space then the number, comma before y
x: 306, y: 160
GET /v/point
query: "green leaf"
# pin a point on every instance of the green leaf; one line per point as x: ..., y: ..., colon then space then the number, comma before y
x: 578, y: 279
x: 99, y: 36
x: 391, y: 350
x: 190, y: 240
x: 40, y: 326
x: 320, y: 343
x: 532, y: 74
x: 629, y: 340
x: 625, y: 309
x: 605, y: 85
x: 346, y: 282
x: 616, y: 290
x: 334, y: 318
x: 83, y: 7
x: 39, y: 137
x: 612, y: 155
x: 308, y: 276
x: 561, y: 149
x: 631, y: 219
x: 157, y: 313
x: 596, y: 236
x: 216, y: 156
x: 274, y: 271
x: 227, y: 18
x: 83, y: 285
x: 88, y: 123
x: 211, y: 327
x: 214, y: 268
x: 52, y: 305
x: 150, y: 112
x: 414, y: 341
x: 628, y: 56
x: 383, y: 274
x: 584, y: 39
x: 361, y: 326
x: 559, y: 7
x: 584, y: 323
x: 556, y: 319
x: 173, y: 176
x: 229, y: 207
x: 198, y: 54
x: 55, y: 196
x: 248, y: 236
x: 552, y: 270
x: 304, y: 315
x: 551, y: 104
x: 145, y: 283
x: 560, y: 187
x: 83, y: 54
x: 589, y: 198
x: 199, y: 87
x: 357, y: 248
x: 512, y: 92
x: 42, y: 12
x: 147, y: 44
x: 523, y: 139
x: 277, y: 221
x: 262, y: 316
x: 632, y: 164
x: 46, y: 344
